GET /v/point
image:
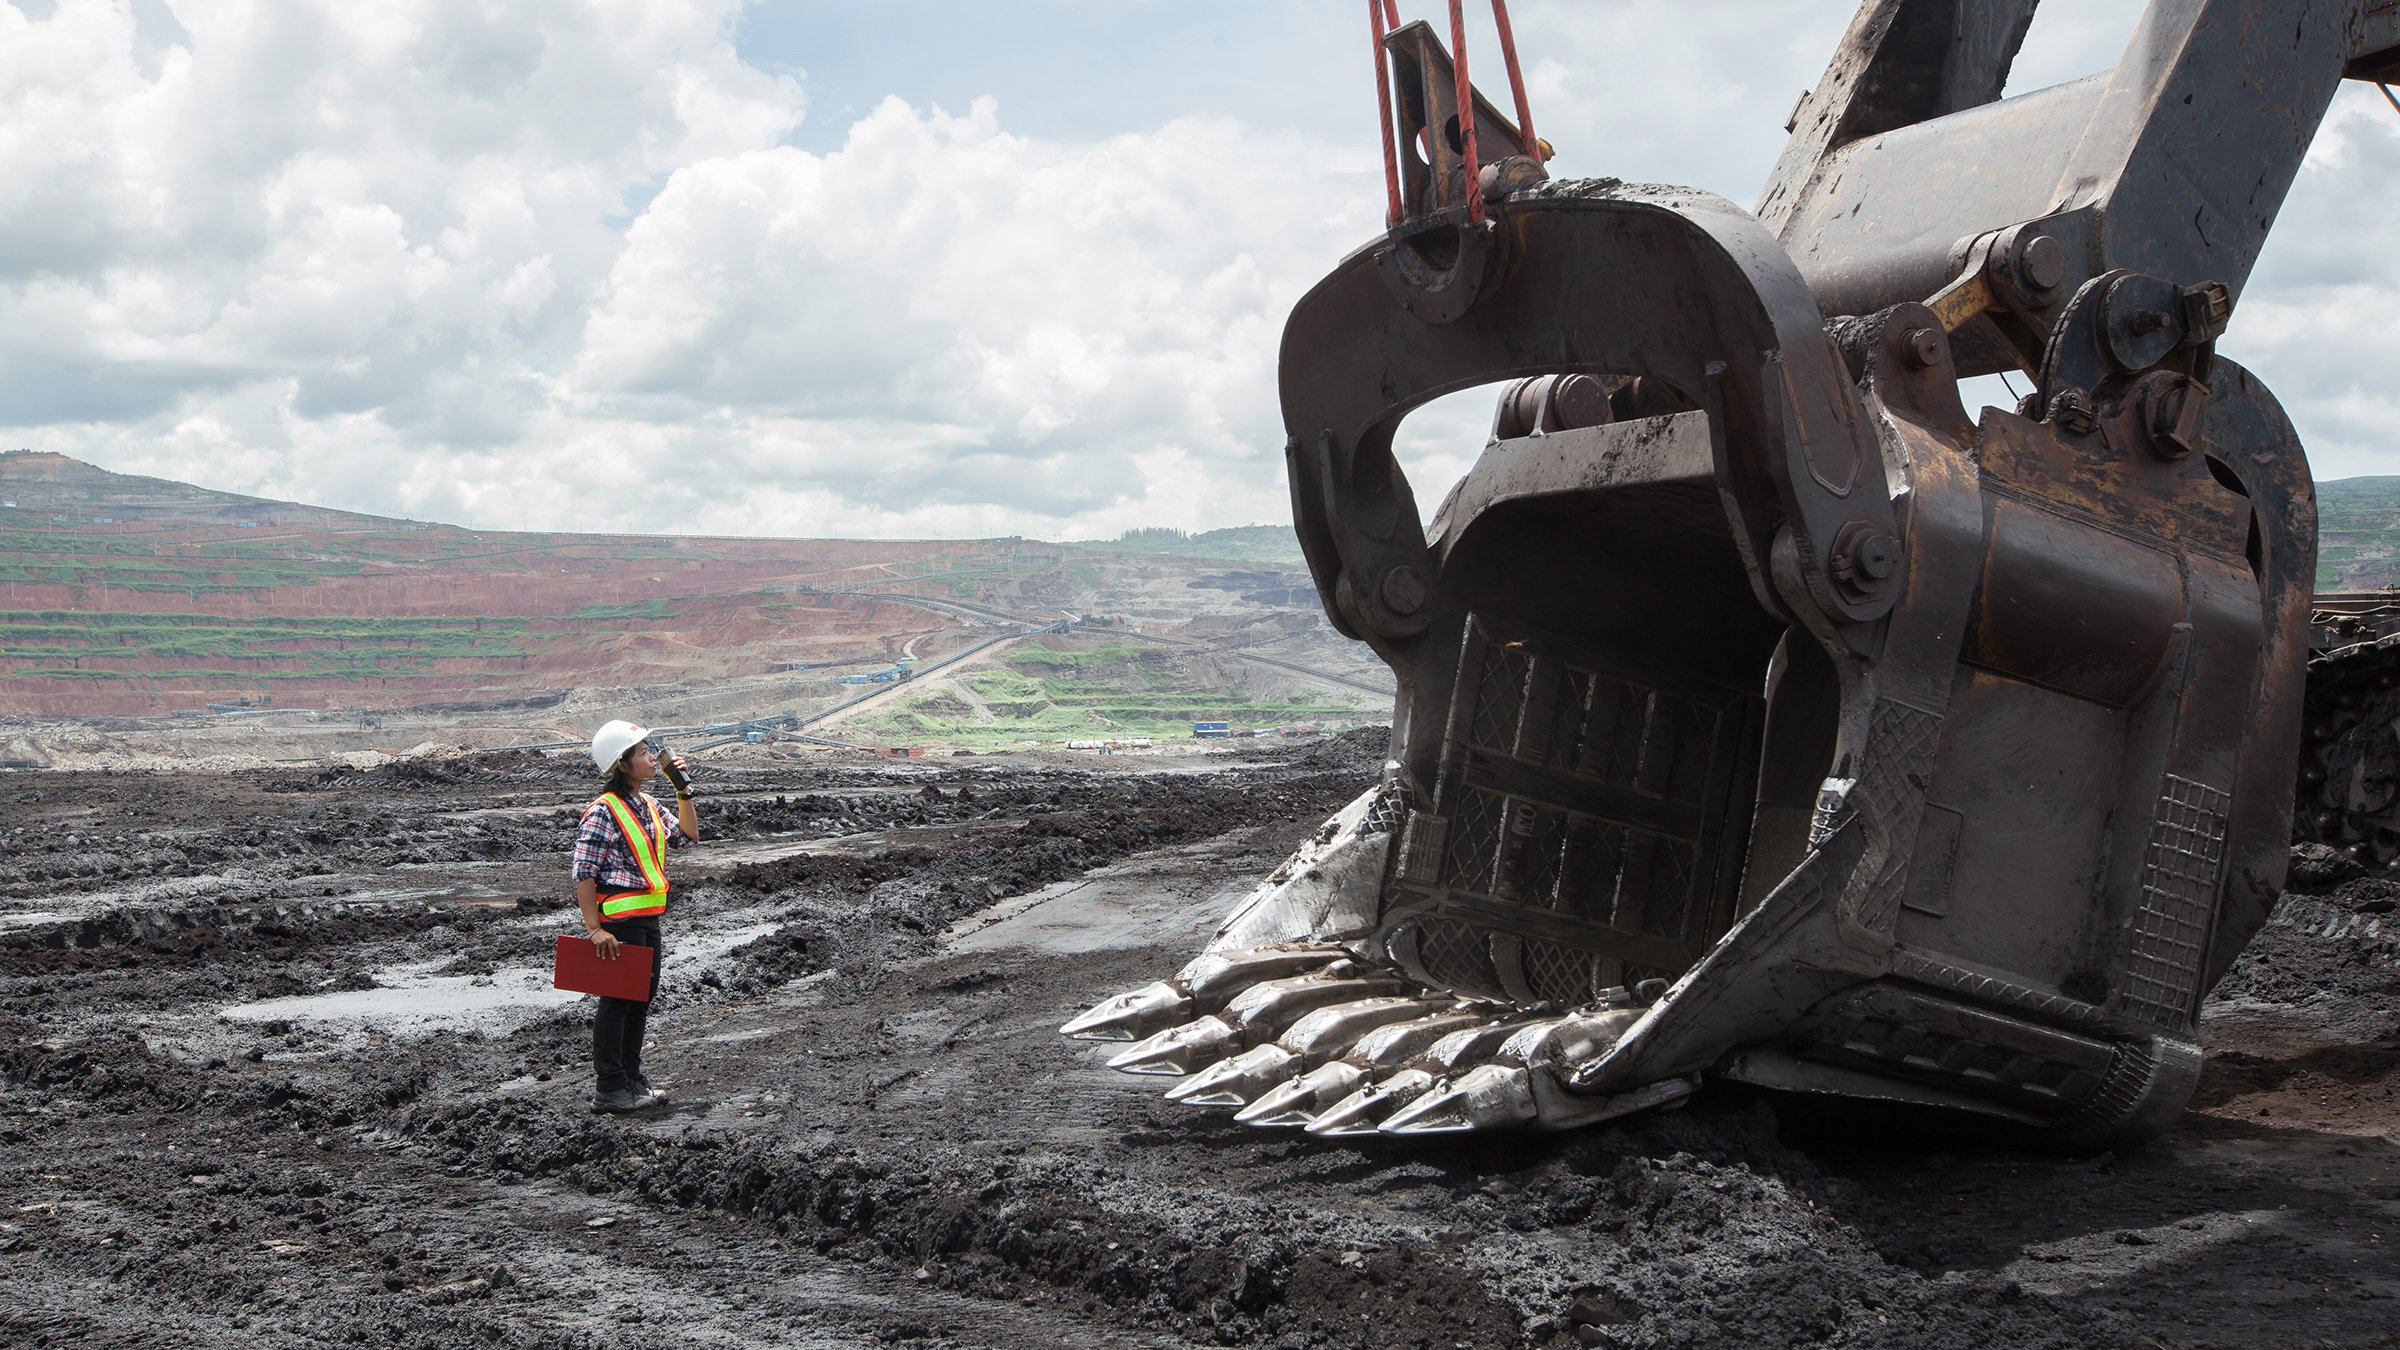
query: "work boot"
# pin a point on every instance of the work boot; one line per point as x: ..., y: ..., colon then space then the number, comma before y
x: 651, y: 1093
x: 618, y: 1100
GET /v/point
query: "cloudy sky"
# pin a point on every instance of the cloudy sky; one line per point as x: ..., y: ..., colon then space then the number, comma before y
x: 814, y: 267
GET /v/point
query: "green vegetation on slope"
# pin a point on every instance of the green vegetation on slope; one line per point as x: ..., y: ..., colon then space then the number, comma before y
x: 1105, y: 656
x: 1241, y: 543
x: 60, y: 644
x: 636, y: 609
x: 102, y: 576
x: 2358, y: 534
x: 194, y: 577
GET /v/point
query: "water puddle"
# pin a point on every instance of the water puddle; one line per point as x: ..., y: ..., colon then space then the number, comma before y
x: 86, y: 904
x: 413, y: 1002
x: 860, y: 844
x: 32, y: 918
x: 1143, y: 902
x: 706, y: 947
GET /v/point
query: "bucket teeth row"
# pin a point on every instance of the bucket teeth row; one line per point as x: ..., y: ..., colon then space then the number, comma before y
x: 1309, y: 1036
x: 1258, y: 1014
x: 1309, y: 1043
x: 1331, y: 1031
x: 1486, y: 1097
x: 1355, y: 1057
x: 1204, y: 985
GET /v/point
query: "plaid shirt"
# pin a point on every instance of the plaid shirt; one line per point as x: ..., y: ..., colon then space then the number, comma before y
x: 602, y: 854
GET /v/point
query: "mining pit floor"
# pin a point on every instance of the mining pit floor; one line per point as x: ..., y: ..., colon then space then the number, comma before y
x: 279, y: 1066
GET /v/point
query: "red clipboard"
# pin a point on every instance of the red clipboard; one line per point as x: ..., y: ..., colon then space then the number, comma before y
x: 580, y: 970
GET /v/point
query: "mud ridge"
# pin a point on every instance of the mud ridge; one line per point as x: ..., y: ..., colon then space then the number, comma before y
x: 877, y: 1137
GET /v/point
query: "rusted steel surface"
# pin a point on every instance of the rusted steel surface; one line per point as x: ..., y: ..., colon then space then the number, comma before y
x: 2376, y: 53
x: 1762, y: 715
x: 1902, y: 61
x: 2172, y: 164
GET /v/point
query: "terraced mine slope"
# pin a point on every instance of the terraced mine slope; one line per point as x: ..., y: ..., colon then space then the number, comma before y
x: 122, y: 595
x: 2358, y: 534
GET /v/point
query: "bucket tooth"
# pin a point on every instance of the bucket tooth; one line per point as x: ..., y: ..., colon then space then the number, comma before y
x: 1298, y: 1101
x: 1330, y: 1031
x: 1472, y: 1046
x: 1391, y: 1046
x: 1397, y: 1038
x: 1179, y: 1050
x: 1264, y: 1011
x: 1220, y: 975
x: 1233, y: 1082
x: 1500, y: 1092
x: 1134, y: 1013
x: 1574, y: 1039
x: 1488, y: 1097
x: 1362, y: 1111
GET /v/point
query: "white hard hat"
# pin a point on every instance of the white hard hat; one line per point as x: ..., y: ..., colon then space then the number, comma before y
x: 610, y: 743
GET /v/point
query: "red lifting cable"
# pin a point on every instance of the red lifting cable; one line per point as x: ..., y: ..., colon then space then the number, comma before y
x: 1382, y: 18
x: 1471, y: 174
x: 1516, y: 81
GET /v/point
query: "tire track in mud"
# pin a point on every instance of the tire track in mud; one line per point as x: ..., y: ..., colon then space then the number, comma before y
x: 306, y: 1228
x: 61, y: 1062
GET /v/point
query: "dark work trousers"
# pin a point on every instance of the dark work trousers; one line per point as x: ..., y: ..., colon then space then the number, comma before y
x: 618, y: 1024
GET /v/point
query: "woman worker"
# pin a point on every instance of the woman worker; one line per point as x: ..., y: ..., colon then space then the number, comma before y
x: 621, y: 884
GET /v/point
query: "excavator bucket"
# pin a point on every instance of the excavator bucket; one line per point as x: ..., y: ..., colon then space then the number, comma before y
x: 1762, y: 716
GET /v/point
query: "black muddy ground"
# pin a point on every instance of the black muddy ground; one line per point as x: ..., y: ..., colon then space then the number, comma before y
x: 270, y: 1074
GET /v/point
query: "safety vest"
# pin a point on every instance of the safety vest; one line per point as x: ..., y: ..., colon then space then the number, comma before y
x: 649, y: 853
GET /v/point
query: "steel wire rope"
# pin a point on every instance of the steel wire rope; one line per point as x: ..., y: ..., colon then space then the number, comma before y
x: 1470, y: 171
x: 1383, y: 18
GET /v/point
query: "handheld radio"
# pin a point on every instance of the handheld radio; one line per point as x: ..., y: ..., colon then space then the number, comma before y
x: 666, y: 762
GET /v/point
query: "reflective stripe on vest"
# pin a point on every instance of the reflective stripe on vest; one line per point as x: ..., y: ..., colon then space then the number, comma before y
x: 647, y: 849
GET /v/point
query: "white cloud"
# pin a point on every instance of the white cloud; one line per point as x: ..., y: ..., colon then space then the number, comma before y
x: 386, y: 269
x: 2316, y: 320
x: 557, y: 264
x: 357, y: 233
x: 945, y: 323
x: 1666, y: 91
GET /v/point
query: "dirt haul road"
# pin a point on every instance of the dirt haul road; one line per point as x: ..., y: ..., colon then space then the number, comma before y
x: 278, y: 1068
